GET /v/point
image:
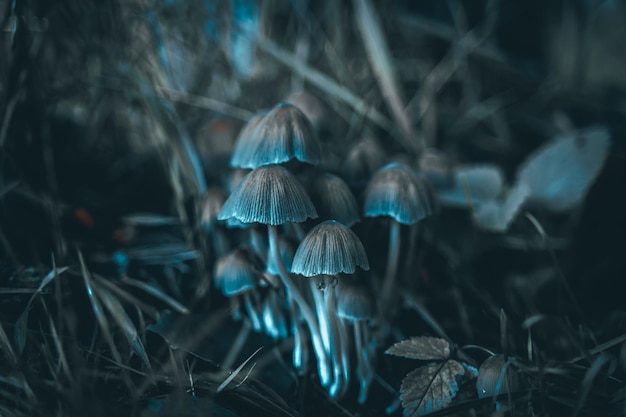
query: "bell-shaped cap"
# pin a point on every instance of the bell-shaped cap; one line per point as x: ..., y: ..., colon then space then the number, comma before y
x: 395, y: 191
x: 213, y: 201
x: 246, y: 141
x: 268, y: 195
x: 236, y: 272
x: 495, y: 377
x: 355, y: 301
x: 363, y: 160
x: 329, y: 248
x: 283, y: 134
x: 334, y: 200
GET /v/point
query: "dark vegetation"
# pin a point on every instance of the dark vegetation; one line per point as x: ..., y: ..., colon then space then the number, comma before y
x: 118, y: 120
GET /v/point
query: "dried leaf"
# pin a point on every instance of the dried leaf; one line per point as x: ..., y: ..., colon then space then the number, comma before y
x: 560, y: 173
x: 422, y: 348
x: 430, y: 388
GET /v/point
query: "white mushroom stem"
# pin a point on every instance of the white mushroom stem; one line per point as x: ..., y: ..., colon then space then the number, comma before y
x: 322, y: 317
x: 300, y: 353
x: 364, y: 368
x: 323, y: 363
x: 393, y: 255
x: 253, y: 315
x: 337, y: 355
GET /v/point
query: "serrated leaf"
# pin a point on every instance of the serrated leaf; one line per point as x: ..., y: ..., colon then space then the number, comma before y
x: 560, y: 173
x: 421, y: 347
x: 430, y: 388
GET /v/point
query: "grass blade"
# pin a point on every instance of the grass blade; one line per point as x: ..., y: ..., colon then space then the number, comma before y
x: 97, y: 309
x: 116, y: 310
x: 381, y: 62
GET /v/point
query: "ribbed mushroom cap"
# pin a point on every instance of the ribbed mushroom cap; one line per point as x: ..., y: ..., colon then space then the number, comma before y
x: 246, y: 141
x: 213, y: 201
x: 283, y: 134
x: 395, y: 191
x: 495, y: 379
x: 236, y: 272
x: 364, y: 158
x: 268, y: 195
x: 334, y: 200
x: 329, y: 248
x: 355, y: 301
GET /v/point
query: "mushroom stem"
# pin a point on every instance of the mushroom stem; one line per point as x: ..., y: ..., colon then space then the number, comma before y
x: 300, y: 352
x: 322, y: 317
x: 323, y: 364
x: 253, y: 315
x: 364, y: 370
x: 393, y: 255
x: 337, y: 355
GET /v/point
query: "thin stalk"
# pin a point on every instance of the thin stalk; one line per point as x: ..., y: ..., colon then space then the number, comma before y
x: 253, y: 315
x: 322, y: 317
x: 300, y: 352
x: 337, y: 355
x: 363, y: 369
x: 293, y: 293
x: 393, y: 255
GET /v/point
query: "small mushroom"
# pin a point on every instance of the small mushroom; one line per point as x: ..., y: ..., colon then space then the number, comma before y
x: 236, y: 275
x: 396, y: 192
x: 356, y: 304
x: 334, y: 200
x: 496, y: 376
x: 271, y: 195
x: 281, y: 135
x: 329, y: 249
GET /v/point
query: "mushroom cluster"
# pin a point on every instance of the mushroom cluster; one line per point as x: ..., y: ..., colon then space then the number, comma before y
x: 286, y: 250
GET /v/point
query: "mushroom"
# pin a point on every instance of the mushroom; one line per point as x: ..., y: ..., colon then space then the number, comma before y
x: 271, y: 195
x: 236, y: 275
x: 356, y: 304
x: 329, y: 249
x: 334, y: 200
x: 281, y: 135
x: 496, y: 376
x: 396, y: 192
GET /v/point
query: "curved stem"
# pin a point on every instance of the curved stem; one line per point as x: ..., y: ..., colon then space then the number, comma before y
x: 337, y: 355
x: 253, y: 315
x: 393, y: 255
x: 293, y: 292
x: 364, y: 371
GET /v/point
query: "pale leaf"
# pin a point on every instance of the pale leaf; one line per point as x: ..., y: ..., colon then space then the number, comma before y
x: 560, y: 173
x: 422, y: 348
x: 430, y: 388
x: 497, y: 215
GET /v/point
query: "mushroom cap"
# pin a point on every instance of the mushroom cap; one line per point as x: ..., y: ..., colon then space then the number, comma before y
x: 236, y: 272
x: 355, y: 301
x: 283, y: 134
x: 495, y: 377
x: 268, y: 195
x: 362, y: 160
x: 334, y: 200
x: 213, y: 201
x: 329, y: 248
x: 395, y: 191
x: 246, y: 141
